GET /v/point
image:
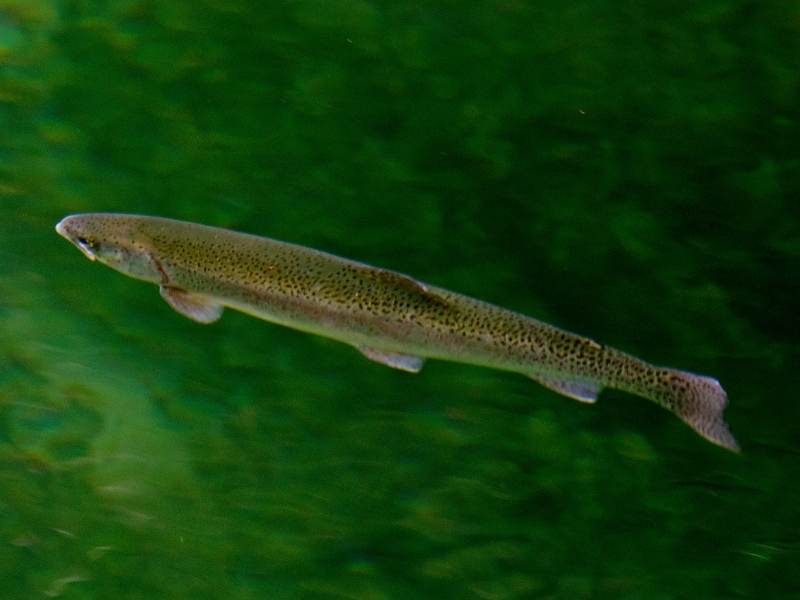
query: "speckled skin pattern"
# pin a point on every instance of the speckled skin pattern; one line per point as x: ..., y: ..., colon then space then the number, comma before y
x: 366, y: 306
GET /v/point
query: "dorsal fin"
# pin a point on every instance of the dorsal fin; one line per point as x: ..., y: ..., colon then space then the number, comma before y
x: 405, y: 283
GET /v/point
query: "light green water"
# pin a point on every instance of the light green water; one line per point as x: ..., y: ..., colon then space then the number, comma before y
x: 628, y: 172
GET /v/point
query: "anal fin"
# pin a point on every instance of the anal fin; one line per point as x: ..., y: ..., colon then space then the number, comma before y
x: 197, y: 307
x: 396, y: 360
x: 585, y: 391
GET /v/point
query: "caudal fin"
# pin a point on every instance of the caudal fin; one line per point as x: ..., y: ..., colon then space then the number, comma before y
x: 699, y: 401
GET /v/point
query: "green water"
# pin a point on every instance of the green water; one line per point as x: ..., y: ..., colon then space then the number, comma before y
x: 628, y: 171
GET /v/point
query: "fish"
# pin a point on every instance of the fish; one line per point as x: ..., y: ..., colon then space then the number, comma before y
x: 388, y: 317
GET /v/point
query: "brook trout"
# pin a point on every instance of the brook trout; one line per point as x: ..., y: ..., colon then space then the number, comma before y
x: 389, y: 317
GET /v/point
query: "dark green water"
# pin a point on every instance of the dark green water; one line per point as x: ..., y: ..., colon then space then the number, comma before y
x: 629, y: 171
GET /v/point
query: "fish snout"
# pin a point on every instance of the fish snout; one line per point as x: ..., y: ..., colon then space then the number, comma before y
x: 69, y: 229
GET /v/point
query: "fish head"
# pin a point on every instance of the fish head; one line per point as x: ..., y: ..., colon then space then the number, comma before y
x: 113, y: 240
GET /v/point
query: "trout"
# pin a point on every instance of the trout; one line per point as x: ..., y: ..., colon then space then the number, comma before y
x: 389, y: 317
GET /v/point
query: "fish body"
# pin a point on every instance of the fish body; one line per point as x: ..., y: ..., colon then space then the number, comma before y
x: 389, y: 317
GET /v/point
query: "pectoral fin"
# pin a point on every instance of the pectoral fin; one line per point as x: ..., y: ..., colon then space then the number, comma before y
x: 585, y: 391
x: 396, y: 360
x: 197, y: 307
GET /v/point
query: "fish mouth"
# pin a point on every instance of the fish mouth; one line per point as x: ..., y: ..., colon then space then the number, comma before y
x: 84, y: 247
x: 81, y: 243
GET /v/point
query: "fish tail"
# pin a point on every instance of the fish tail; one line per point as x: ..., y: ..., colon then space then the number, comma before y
x: 699, y: 401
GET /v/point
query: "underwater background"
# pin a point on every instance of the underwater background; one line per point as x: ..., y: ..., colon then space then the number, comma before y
x: 626, y: 170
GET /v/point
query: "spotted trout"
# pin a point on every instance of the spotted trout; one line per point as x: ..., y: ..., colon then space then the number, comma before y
x: 389, y: 317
